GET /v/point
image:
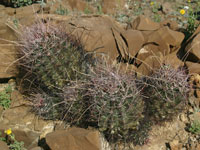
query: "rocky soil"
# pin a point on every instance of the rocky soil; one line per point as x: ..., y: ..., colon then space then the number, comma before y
x: 143, y: 34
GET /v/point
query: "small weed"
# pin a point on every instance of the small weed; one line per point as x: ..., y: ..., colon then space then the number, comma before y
x: 99, y: 8
x: 195, y: 127
x: 62, y: 11
x: 5, y: 97
x: 10, y: 140
x: 87, y: 10
x: 157, y: 18
x: 16, y: 22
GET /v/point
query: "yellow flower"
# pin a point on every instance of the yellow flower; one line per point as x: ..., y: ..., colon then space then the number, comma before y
x: 189, y: 1
x: 152, y: 3
x: 8, y: 132
x: 182, y: 11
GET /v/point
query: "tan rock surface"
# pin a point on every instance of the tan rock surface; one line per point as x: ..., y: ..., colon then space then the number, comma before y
x: 168, y: 40
x: 134, y: 40
x: 193, y: 67
x: 192, y: 49
x: 144, y: 24
x: 74, y: 139
x: 3, y: 145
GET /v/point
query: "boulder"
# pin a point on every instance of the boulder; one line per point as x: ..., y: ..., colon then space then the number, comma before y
x: 8, y: 51
x: 126, y: 68
x: 150, y: 64
x: 146, y: 51
x: 168, y: 40
x: 74, y: 139
x: 143, y: 23
x: 99, y: 34
x: 3, y: 145
x: 192, y: 49
x: 134, y: 40
x: 193, y: 67
x: 22, y: 134
x: 173, y: 60
x: 173, y: 25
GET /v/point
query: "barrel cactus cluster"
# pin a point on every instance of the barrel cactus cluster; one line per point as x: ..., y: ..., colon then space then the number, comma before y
x: 67, y: 83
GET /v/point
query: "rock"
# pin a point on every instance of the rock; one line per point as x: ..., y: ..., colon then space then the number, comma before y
x: 134, y: 40
x: 36, y: 148
x: 173, y: 60
x: 150, y: 64
x: 168, y: 40
x: 145, y: 52
x: 195, y: 116
x: 173, y: 25
x: 111, y: 6
x: 74, y: 139
x: 183, y: 118
x: 8, y: 52
x: 192, y: 50
x: 19, y: 115
x: 3, y: 145
x: 166, y: 8
x: 126, y: 68
x: 17, y: 99
x: 175, y: 145
x: 30, y: 138
x: 193, y: 68
x: 91, y: 31
x: 22, y: 134
x: 144, y: 24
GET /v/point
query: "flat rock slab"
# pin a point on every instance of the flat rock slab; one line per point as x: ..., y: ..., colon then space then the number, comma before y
x: 74, y: 139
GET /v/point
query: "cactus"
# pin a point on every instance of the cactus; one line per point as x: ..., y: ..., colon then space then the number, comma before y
x: 53, y: 56
x: 114, y: 103
x: 166, y: 91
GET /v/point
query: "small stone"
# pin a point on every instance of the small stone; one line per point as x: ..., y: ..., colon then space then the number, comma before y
x: 175, y: 145
x: 197, y: 91
x: 166, y: 8
x: 191, y: 110
x: 183, y: 118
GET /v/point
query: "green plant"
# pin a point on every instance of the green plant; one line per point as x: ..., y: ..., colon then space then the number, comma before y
x: 192, y: 22
x: 195, y: 127
x: 19, y: 3
x: 156, y: 17
x: 166, y: 93
x: 12, y: 143
x: 191, y: 19
x: 52, y: 57
x: 5, y: 97
x: 16, y: 22
x: 62, y: 11
x: 114, y: 105
x: 99, y: 9
x: 87, y: 10
x: 2, y: 138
